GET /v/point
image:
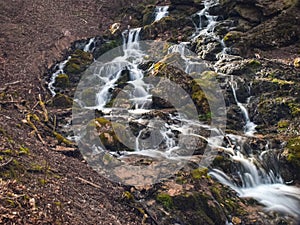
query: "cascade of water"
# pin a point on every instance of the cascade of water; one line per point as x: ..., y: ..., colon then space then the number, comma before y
x: 249, y: 128
x: 257, y: 179
x: 60, y: 70
x: 206, y: 26
x: 89, y: 46
x: 161, y: 12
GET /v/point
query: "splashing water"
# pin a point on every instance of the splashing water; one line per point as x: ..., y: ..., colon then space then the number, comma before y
x: 161, y: 12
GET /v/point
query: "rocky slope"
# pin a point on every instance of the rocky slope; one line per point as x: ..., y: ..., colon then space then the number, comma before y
x: 264, y: 45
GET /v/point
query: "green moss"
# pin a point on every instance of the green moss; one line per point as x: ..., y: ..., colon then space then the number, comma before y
x: 102, y: 121
x: 232, y: 37
x: 165, y: 200
x: 62, y: 80
x: 293, y: 147
x: 62, y: 101
x: 295, y: 108
x: 282, y: 82
x: 62, y: 139
x: 128, y: 196
x: 282, y: 124
x: 7, y: 152
x: 78, y: 62
x: 199, y: 173
x: 36, y: 168
x: 23, y: 150
x: 254, y: 63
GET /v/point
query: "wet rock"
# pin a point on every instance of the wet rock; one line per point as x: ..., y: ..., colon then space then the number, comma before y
x: 62, y: 101
x: 61, y: 81
x: 248, y: 12
x: 232, y: 37
x: 78, y: 62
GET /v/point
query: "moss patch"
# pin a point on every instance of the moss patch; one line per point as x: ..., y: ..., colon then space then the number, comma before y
x: 165, y: 200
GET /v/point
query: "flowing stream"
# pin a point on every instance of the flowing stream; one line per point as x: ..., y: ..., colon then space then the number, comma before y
x: 254, y: 177
x: 161, y: 12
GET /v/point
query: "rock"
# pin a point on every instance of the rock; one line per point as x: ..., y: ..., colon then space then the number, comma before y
x: 232, y: 37
x: 62, y: 101
x: 78, y: 62
x: 249, y: 12
x: 235, y: 220
x: 61, y: 81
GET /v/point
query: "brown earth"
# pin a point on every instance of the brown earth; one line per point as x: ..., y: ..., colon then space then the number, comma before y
x: 39, y: 185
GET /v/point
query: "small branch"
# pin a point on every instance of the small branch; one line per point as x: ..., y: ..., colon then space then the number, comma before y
x: 88, y: 182
x: 6, y: 163
x: 45, y: 112
x: 12, y: 83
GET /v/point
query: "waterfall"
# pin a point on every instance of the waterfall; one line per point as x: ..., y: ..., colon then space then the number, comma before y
x: 249, y: 128
x: 161, y: 12
x: 264, y: 185
x: 207, y: 22
x: 89, y: 47
x: 60, y: 70
x: 257, y: 179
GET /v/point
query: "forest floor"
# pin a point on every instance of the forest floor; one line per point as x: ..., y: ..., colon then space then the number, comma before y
x: 38, y: 184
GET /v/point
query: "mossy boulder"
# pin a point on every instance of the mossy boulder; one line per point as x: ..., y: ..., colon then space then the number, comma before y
x: 294, y: 152
x: 61, y: 101
x: 88, y: 96
x: 232, y: 37
x: 111, y: 135
x: 78, y: 62
x: 61, y: 81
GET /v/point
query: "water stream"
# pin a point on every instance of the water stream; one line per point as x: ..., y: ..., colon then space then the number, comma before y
x: 255, y: 178
x: 161, y: 12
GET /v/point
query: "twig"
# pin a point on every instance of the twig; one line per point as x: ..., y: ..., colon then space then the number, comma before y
x: 8, y: 102
x: 28, y: 120
x: 12, y: 83
x: 45, y: 112
x: 88, y: 182
x: 6, y: 163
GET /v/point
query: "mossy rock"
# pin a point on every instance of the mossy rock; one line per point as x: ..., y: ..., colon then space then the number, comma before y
x: 148, y: 14
x: 88, y: 96
x: 165, y: 199
x: 294, y: 151
x: 62, y: 101
x: 199, y: 173
x: 78, y: 62
x: 61, y: 81
x: 232, y: 37
x: 295, y: 108
x: 283, y: 124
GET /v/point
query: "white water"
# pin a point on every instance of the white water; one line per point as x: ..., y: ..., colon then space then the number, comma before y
x: 60, y: 70
x: 249, y: 128
x: 201, y: 27
x: 161, y: 12
x: 264, y: 185
x: 257, y: 180
x: 87, y: 47
x: 62, y: 65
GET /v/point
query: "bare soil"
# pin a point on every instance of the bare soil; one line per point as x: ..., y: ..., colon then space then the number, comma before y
x: 37, y: 184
